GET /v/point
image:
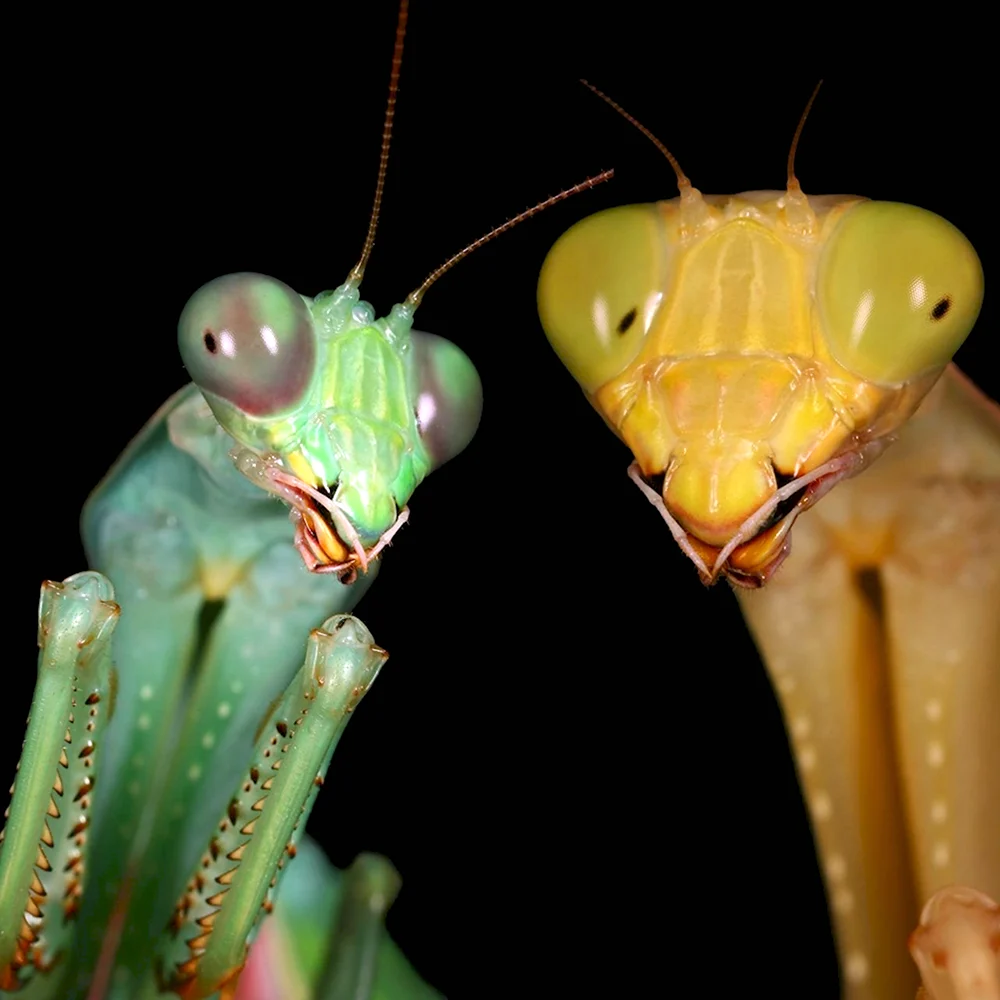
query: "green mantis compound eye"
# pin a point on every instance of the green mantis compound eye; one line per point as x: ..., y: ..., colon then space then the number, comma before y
x: 899, y: 289
x: 249, y: 339
x: 449, y: 397
x: 599, y: 290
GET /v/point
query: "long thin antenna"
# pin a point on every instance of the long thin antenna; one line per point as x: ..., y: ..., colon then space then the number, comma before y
x: 358, y: 271
x: 682, y: 181
x: 415, y: 298
x: 793, y: 181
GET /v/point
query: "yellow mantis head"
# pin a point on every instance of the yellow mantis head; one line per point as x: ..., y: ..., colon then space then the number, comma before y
x: 754, y: 349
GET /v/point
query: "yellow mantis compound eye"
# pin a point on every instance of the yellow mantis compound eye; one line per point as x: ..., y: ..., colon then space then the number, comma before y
x: 899, y: 289
x: 599, y: 289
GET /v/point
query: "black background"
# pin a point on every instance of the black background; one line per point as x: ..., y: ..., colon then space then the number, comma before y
x: 573, y: 755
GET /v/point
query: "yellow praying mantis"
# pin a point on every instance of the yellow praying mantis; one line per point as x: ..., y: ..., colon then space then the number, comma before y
x: 756, y: 352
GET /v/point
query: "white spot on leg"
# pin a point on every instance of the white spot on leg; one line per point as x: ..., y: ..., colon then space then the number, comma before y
x: 801, y: 727
x: 939, y: 811
x: 143, y: 722
x: 224, y: 710
x: 194, y: 772
x: 836, y: 868
x: 822, y: 806
x: 856, y: 968
x: 208, y: 740
x: 236, y: 687
x: 935, y: 753
x: 933, y: 709
x: 146, y: 692
x: 807, y: 758
x: 786, y: 684
x: 942, y: 855
x: 843, y: 901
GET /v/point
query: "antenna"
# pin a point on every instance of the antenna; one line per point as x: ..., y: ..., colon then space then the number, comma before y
x: 799, y: 216
x: 682, y: 181
x: 793, y: 181
x: 694, y: 212
x: 358, y: 271
x: 415, y: 298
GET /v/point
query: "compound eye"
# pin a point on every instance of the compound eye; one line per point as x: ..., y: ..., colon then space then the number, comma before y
x: 600, y: 287
x: 249, y: 339
x: 899, y: 290
x: 450, y: 396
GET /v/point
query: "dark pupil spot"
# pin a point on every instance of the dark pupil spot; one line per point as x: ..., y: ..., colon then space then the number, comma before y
x: 941, y: 308
x: 627, y: 320
x: 210, y: 342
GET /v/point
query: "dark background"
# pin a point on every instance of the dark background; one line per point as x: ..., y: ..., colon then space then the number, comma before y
x: 573, y: 756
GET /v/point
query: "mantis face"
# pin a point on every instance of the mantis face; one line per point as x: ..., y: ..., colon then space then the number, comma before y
x: 339, y: 414
x: 754, y: 350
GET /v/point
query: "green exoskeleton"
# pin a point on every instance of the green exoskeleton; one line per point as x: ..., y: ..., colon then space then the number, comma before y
x: 47, y: 828
x: 141, y: 851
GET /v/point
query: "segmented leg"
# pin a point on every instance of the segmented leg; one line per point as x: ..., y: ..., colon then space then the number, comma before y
x: 371, y: 885
x: 882, y: 637
x: 300, y: 953
x: 820, y: 638
x: 941, y: 583
x: 44, y: 843
x: 233, y: 885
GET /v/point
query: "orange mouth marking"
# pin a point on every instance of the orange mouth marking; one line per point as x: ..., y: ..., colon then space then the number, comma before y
x: 756, y: 567
x: 324, y: 535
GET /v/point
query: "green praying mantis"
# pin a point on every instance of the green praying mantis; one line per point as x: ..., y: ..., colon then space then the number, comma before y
x: 341, y: 416
x: 414, y: 535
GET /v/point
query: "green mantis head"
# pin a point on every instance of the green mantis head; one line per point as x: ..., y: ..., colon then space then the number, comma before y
x: 339, y: 413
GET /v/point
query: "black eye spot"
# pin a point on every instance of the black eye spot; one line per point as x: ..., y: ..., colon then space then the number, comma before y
x: 627, y: 320
x: 210, y: 342
x: 941, y: 308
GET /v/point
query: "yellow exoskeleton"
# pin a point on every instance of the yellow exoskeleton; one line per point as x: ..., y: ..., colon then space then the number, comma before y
x: 754, y: 351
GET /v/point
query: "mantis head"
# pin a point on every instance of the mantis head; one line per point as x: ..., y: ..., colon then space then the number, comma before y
x: 299, y: 384
x: 754, y: 350
x: 337, y: 412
